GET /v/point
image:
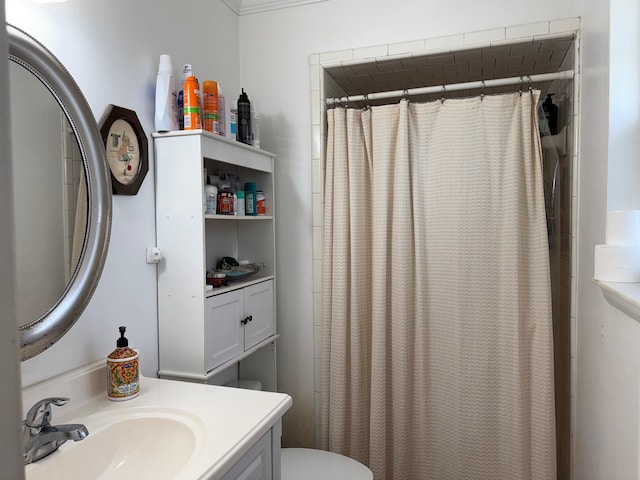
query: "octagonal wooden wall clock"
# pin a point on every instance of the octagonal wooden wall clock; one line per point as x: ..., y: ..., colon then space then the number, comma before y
x: 125, y: 148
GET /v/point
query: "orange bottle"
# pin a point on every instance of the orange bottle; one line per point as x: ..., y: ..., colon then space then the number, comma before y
x: 192, y: 119
x: 210, y: 96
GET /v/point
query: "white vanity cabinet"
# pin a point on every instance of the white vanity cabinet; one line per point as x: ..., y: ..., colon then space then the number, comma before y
x: 204, y: 334
x: 262, y: 461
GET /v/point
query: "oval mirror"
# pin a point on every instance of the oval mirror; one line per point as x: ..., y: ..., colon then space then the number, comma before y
x: 62, y: 195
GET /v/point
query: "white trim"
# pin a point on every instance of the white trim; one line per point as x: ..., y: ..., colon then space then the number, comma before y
x: 233, y: 5
x: 240, y: 7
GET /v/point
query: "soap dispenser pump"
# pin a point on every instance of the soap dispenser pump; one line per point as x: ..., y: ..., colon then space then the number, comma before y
x: 551, y: 113
x: 123, y: 371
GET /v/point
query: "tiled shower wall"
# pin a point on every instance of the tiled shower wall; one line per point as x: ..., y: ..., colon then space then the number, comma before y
x: 72, y: 168
x: 565, y: 324
x: 322, y: 87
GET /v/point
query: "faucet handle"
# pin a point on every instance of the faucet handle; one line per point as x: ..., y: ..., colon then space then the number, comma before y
x: 39, y: 415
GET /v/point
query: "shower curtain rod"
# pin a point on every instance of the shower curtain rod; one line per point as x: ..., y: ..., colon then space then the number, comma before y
x: 497, y: 82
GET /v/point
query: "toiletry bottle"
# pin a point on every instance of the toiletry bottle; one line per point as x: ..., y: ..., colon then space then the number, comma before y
x: 551, y: 113
x: 123, y: 371
x: 186, y: 72
x: 250, y: 198
x: 166, y: 115
x: 232, y: 124
x: 255, y: 126
x: 244, y: 119
x: 211, y: 194
x: 261, y: 207
x: 210, y: 102
x: 192, y: 120
x: 223, y: 116
x: 240, y: 205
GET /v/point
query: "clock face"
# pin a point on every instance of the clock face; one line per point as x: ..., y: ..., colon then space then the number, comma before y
x: 123, y: 152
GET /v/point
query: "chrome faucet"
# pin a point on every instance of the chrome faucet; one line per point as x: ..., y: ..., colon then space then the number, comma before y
x: 40, y: 438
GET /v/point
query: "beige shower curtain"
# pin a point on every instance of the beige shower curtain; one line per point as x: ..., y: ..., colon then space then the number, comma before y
x: 437, y: 343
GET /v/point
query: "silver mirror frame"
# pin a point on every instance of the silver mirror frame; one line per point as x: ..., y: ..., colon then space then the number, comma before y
x: 40, y: 334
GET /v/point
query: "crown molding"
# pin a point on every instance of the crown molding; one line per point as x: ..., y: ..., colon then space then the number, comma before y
x: 247, y: 7
x: 233, y: 5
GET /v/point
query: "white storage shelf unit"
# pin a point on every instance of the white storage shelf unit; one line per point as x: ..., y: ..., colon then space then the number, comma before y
x: 192, y: 242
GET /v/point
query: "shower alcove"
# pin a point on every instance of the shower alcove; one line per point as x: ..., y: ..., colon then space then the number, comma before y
x: 349, y: 79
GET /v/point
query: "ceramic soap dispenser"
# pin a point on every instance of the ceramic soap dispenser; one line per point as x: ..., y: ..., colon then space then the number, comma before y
x: 122, y: 371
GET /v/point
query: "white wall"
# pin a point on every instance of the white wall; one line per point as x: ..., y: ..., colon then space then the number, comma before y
x: 624, y: 97
x: 607, y: 342
x: 10, y: 440
x: 276, y: 76
x: 112, y: 50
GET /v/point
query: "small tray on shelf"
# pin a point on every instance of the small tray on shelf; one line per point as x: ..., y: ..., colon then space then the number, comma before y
x: 234, y: 273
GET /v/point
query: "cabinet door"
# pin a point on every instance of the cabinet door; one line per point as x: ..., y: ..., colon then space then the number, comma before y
x: 256, y: 464
x: 259, y: 308
x: 223, y: 332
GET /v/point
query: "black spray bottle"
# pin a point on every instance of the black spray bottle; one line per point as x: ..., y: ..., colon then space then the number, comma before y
x: 244, y: 119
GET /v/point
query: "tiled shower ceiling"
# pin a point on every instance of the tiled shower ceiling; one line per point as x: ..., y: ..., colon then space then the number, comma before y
x: 501, y: 61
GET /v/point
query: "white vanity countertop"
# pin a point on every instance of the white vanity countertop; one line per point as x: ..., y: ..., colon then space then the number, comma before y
x: 227, y: 420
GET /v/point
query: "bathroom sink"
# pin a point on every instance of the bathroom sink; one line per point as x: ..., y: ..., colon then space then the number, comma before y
x: 135, y: 443
x: 172, y: 430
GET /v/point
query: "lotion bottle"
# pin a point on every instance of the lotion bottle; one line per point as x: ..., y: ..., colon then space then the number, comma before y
x: 123, y: 373
x: 166, y: 115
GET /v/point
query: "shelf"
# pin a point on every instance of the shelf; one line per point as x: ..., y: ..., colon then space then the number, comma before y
x: 200, y: 329
x: 623, y: 296
x: 242, y: 356
x: 242, y: 218
x: 206, y: 134
x: 237, y: 285
x: 168, y: 374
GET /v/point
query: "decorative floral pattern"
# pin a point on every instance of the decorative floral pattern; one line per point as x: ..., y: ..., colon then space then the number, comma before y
x: 123, y: 377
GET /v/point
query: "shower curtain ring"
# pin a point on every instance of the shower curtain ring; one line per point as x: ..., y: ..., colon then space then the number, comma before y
x: 444, y: 90
x: 482, y: 91
x: 521, y: 82
x: 405, y: 94
x: 530, y: 87
x: 366, y: 102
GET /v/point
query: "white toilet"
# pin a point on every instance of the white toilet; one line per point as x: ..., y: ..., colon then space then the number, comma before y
x: 310, y: 464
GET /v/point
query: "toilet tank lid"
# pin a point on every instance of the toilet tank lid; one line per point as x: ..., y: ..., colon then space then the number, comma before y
x: 311, y: 464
